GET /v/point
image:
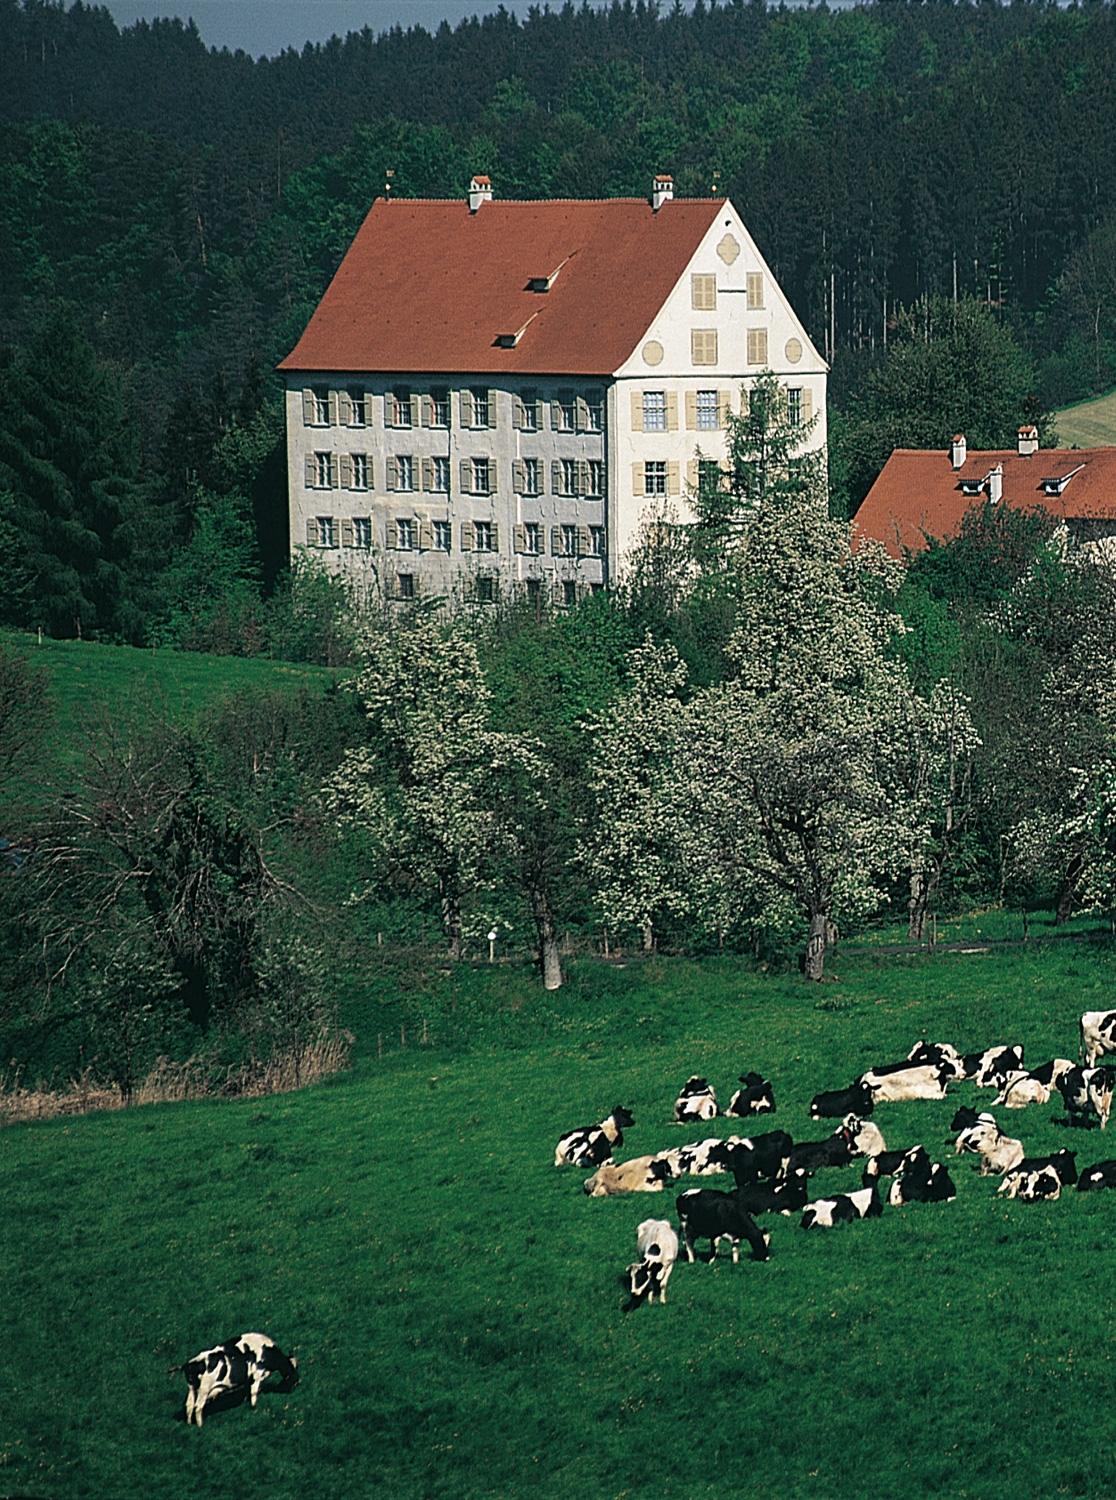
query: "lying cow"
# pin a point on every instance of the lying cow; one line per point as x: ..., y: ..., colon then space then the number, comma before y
x: 1033, y: 1187
x: 917, y: 1081
x: 998, y: 1152
x: 699, y: 1158
x: 857, y: 1100
x: 843, y: 1209
x: 657, y: 1248
x: 990, y: 1069
x: 237, y: 1363
x: 591, y: 1145
x: 812, y: 1156
x: 865, y: 1137
x: 708, y: 1215
x: 1101, y: 1174
x: 757, y: 1097
x: 753, y: 1157
x: 1087, y: 1091
x: 918, y: 1180
x: 775, y: 1197
x: 1098, y: 1036
x: 641, y: 1174
x: 1027, y: 1180
x: 696, y: 1101
x: 1022, y: 1089
x: 938, y: 1055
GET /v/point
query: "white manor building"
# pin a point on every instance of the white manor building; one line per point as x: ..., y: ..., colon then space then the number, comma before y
x: 491, y: 394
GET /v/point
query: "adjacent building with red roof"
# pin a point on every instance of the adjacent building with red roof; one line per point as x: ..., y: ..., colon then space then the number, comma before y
x: 493, y: 393
x: 921, y: 494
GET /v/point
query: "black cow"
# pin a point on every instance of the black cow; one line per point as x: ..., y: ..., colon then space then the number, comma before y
x: 706, y: 1214
x: 757, y: 1097
x: 1101, y: 1174
x: 755, y: 1156
x: 992, y: 1067
x: 918, y: 1180
x: 591, y: 1145
x: 811, y: 1156
x: 235, y: 1364
x: 775, y: 1197
x: 835, y: 1104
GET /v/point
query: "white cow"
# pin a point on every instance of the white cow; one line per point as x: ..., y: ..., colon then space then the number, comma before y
x: 641, y: 1174
x: 1098, y: 1035
x: 657, y: 1248
x: 922, y: 1081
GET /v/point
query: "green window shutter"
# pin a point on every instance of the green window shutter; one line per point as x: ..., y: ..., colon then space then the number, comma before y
x: 428, y: 411
x: 582, y: 414
x: 556, y: 541
x: 428, y: 474
x: 346, y: 471
x: 467, y: 478
x: 519, y: 476
x: 311, y: 471
x: 393, y: 473
x: 555, y: 477
x: 347, y: 534
x: 311, y: 532
x: 583, y: 476
x: 493, y: 476
x: 426, y: 536
x: 495, y: 536
x: 583, y: 541
x: 334, y: 409
x: 308, y: 409
x: 415, y: 417
x: 345, y: 408
x: 519, y: 417
x: 468, y: 537
x: 392, y: 536
x: 466, y: 408
x: 519, y: 538
x: 555, y: 416
x: 493, y: 412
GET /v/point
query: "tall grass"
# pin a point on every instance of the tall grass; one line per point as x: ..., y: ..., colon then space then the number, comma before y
x: 456, y: 1303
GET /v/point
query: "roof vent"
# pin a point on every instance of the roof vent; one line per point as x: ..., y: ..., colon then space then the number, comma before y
x: 1028, y: 441
x: 959, y: 450
x: 996, y: 484
x: 1056, y: 486
x: 544, y: 283
x: 480, y: 191
x: 509, y: 340
x: 662, y: 190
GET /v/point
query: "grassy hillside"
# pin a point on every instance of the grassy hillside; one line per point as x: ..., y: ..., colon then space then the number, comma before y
x: 456, y: 1303
x: 1090, y: 424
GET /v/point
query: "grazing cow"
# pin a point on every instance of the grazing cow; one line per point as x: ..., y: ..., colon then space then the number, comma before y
x: 706, y: 1214
x: 246, y: 1361
x: 998, y: 1152
x: 657, y: 1248
x: 1101, y: 1174
x: 591, y: 1145
x: 1032, y: 1187
x: 753, y: 1157
x: 921, y: 1081
x: 857, y: 1100
x: 1062, y: 1163
x: 918, y: 1180
x: 641, y: 1174
x: 775, y: 1197
x: 757, y: 1097
x: 865, y: 1137
x: 697, y: 1101
x: 843, y: 1209
x: 1087, y: 1091
x: 811, y: 1156
x: 1098, y: 1036
x: 989, y: 1069
x: 938, y: 1055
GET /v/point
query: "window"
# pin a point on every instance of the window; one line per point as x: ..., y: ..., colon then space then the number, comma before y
x: 483, y: 536
x: 397, y: 408
x: 569, y: 594
x: 482, y: 476
x: 757, y: 346
x: 707, y: 413
x: 486, y: 590
x: 594, y: 412
x: 527, y: 412
x: 703, y: 346
x: 794, y: 405
x: 405, y: 534
x: 569, y: 476
x: 439, y: 408
x: 327, y: 531
x: 532, y: 538
x: 534, y: 592
x: 358, y: 411
x: 322, y: 470
x: 703, y: 293
x: 359, y: 463
x: 596, y: 541
x: 655, y: 478
x: 532, y: 476
x: 654, y: 411
x: 362, y: 532
x: 440, y: 472
x: 569, y: 541
x: 564, y: 412
x: 482, y: 410
x: 401, y: 473
x: 755, y: 290
x: 595, y: 487
x: 321, y: 405
x: 405, y: 585
x: 441, y: 536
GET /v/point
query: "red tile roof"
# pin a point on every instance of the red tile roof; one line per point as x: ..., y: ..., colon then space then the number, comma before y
x: 920, y: 494
x: 429, y: 286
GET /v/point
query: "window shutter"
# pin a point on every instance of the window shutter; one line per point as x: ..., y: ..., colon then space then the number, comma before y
x: 555, y: 477
x: 493, y: 476
x: 308, y: 408
x: 556, y: 541
x: 639, y: 480
x: 807, y: 404
x: 466, y: 408
x: 582, y: 414
x: 555, y: 416
x: 467, y: 478
x: 495, y: 534
x: 583, y: 476
x: 371, y: 465
x: 519, y: 538
x: 673, y: 486
x: 492, y: 409
x: 311, y: 532
x: 426, y: 536
x: 637, y: 411
x: 745, y: 402
x: 415, y: 413
x: 311, y: 471
x: 393, y: 473
x: 519, y: 417
x: 334, y: 409
x: 583, y: 546
x: 468, y: 537
x: 346, y: 471
x: 558, y: 594
x: 691, y: 411
x: 519, y: 476
x: 428, y: 411
x: 334, y: 475
x: 428, y: 474
x: 347, y: 534
x: 693, y: 474
x: 724, y: 409
x: 345, y: 408
x: 672, y: 411
x: 392, y: 536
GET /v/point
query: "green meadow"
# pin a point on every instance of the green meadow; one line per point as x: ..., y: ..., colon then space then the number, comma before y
x: 1088, y: 424
x: 457, y: 1305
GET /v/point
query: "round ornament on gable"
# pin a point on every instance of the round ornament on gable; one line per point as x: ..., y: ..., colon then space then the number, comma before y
x: 652, y: 352
x: 793, y: 351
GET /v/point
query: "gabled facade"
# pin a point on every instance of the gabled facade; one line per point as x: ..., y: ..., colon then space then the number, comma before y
x: 923, y: 493
x: 490, y: 394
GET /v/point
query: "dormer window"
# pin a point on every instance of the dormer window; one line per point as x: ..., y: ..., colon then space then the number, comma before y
x: 1056, y: 486
x: 544, y: 283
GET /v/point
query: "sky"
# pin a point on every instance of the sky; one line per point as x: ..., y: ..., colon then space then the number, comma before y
x: 264, y: 28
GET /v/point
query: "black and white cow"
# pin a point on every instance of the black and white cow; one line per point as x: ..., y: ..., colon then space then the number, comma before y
x: 864, y: 1136
x: 997, y: 1152
x: 1098, y: 1035
x: 657, y: 1248
x: 1063, y: 1162
x: 1087, y: 1091
x: 591, y: 1145
x: 938, y: 1055
x: 835, y: 1103
x: 697, y: 1100
x: 812, y: 1156
x: 775, y: 1197
x: 753, y: 1157
x: 893, y: 1084
x: 916, y: 1179
x: 1043, y: 1185
x: 640, y: 1174
x: 757, y: 1097
x: 843, y: 1209
x: 990, y: 1069
x: 235, y: 1364
x: 1101, y: 1174
x: 708, y: 1215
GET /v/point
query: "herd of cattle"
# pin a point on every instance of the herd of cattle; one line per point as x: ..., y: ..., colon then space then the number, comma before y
x: 772, y: 1172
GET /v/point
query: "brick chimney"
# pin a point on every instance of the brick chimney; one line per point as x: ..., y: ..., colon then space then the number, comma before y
x: 1028, y: 441
x: 662, y: 190
x: 959, y: 451
x: 480, y: 191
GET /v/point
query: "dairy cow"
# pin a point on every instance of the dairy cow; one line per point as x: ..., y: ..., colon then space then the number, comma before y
x: 1085, y: 1092
x: 918, y: 1180
x: 697, y: 1100
x: 706, y: 1214
x: 907, y: 1081
x: 843, y: 1209
x: 1101, y: 1174
x: 833, y: 1104
x: 657, y: 1248
x: 757, y: 1097
x: 1098, y: 1035
x: 591, y: 1145
x: 243, y: 1363
x: 641, y: 1174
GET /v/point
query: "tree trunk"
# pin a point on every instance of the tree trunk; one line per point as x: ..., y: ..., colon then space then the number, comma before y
x: 815, y: 945
x: 549, y: 959
x: 1069, y: 886
x: 648, y: 936
x: 916, y: 905
x: 451, y: 924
